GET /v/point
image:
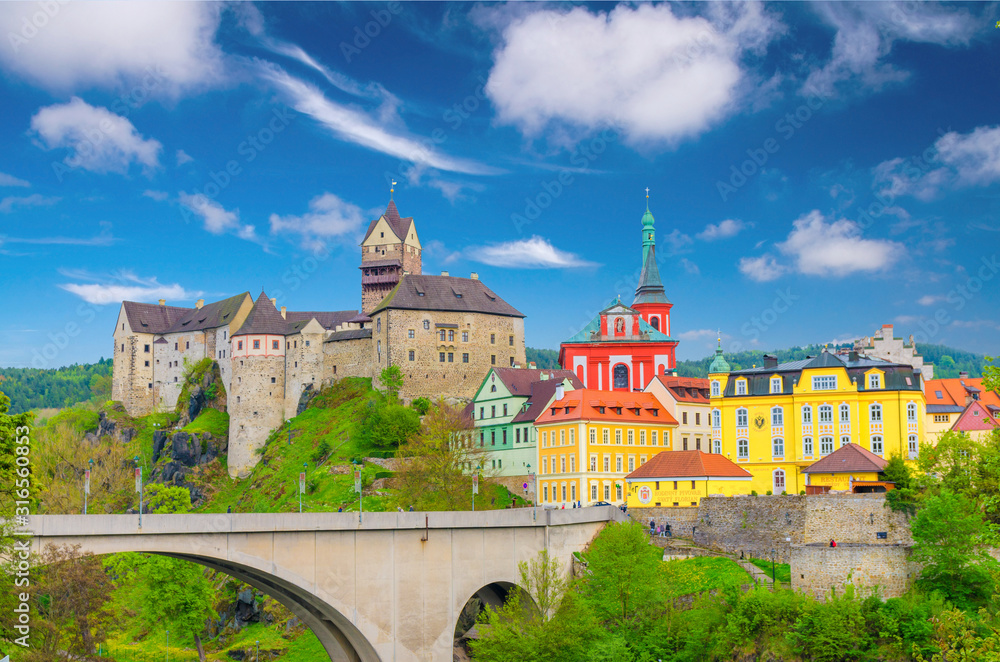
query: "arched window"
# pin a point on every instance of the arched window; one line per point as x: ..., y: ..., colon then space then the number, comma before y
x: 778, y: 447
x: 716, y: 388
x: 875, y: 413
x: 845, y: 414
x: 911, y: 413
x: 807, y: 446
x: 807, y: 415
x: 621, y: 376
x: 912, y: 446
x: 493, y: 388
x: 777, y: 416
x: 779, y: 481
x: 825, y: 414
x: 741, y: 417
x: 716, y: 419
x: 825, y: 445
x: 655, y: 322
x: 877, y: 444
x: 742, y: 449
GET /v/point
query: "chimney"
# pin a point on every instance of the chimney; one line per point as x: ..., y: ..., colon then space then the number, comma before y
x: 560, y: 391
x: 544, y: 376
x: 283, y: 310
x: 852, y: 355
x: 474, y: 276
x: 198, y: 304
x: 963, y: 375
x: 770, y: 361
x: 163, y: 302
x: 445, y: 273
x: 274, y: 302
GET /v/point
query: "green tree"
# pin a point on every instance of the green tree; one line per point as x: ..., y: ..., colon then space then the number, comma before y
x: 385, y: 426
x: 177, y: 594
x: 951, y: 539
x: 904, y: 497
x: 165, y: 499
x: 391, y: 378
x: 623, y: 581
x: 421, y: 405
x: 100, y: 387
x: 991, y: 375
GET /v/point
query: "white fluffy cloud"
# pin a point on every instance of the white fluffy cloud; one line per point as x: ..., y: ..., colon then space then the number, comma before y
x: 822, y: 248
x: 328, y: 217
x: 654, y: 75
x: 217, y: 219
x: 99, y: 140
x: 761, y: 269
x: 866, y: 32
x: 162, y: 48
x: 183, y: 157
x: 125, y: 286
x: 534, y: 253
x: 723, y: 230
x: 10, y: 180
x: 8, y: 204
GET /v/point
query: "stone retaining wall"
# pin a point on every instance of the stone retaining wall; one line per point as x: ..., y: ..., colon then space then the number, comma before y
x: 817, y: 568
x: 680, y: 519
x: 854, y: 518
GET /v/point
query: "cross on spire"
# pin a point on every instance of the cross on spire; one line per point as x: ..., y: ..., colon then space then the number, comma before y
x: 647, y: 198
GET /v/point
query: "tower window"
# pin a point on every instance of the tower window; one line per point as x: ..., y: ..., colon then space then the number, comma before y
x: 256, y: 344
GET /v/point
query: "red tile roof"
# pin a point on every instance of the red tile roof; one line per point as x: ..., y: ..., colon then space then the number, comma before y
x: 686, y: 389
x: 953, y: 391
x: 519, y: 380
x: 587, y: 411
x: 849, y: 458
x: 976, y: 417
x: 687, y: 464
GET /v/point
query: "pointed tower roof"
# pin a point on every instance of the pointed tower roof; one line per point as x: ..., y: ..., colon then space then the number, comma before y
x: 264, y: 318
x: 650, y: 289
x: 400, y: 225
x: 719, y: 363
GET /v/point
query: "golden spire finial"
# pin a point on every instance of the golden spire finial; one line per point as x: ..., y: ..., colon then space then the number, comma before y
x: 392, y: 189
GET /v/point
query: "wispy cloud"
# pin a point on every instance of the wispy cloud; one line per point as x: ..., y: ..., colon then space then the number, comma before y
x: 124, y: 286
x: 761, y: 269
x: 534, y: 253
x: 183, y: 157
x: 8, y: 204
x: 10, y: 180
x: 159, y: 196
x: 722, y: 230
x: 217, y: 219
x: 328, y: 217
x: 103, y: 238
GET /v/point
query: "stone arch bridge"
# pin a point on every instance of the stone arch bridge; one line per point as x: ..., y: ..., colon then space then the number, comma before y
x: 388, y: 589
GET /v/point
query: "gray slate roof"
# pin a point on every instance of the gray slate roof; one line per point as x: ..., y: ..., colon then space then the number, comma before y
x: 210, y: 316
x: 758, y: 379
x: 151, y: 317
x: 350, y: 334
x: 401, y: 226
x: 264, y: 318
x: 445, y: 293
x: 329, y: 320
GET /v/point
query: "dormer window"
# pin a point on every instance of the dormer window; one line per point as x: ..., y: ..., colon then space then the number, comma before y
x: 654, y: 412
x: 741, y: 387
x: 618, y: 410
x: 600, y: 410
x: 636, y: 411
x: 874, y: 380
x: 775, y: 384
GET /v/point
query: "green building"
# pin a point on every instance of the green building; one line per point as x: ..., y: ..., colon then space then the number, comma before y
x: 504, y: 410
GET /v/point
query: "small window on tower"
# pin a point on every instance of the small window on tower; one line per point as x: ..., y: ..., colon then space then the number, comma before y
x: 256, y: 344
x: 274, y: 344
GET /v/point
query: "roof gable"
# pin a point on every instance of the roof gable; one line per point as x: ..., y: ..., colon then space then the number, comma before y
x: 264, y: 319
x: 398, y: 225
x: 849, y: 458
x: 445, y: 293
x: 976, y: 417
x: 688, y: 464
x: 214, y: 315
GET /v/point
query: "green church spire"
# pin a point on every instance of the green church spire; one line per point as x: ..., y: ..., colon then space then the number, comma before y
x: 648, y: 234
x: 719, y: 363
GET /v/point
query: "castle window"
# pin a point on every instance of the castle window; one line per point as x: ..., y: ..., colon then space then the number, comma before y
x: 239, y: 345
x: 275, y: 345
x: 175, y: 379
x: 451, y: 357
x: 510, y: 341
x: 147, y: 364
x: 296, y: 364
x: 465, y: 358
x: 427, y: 324
x: 175, y: 347
x: 411, y: 334
x: 465, y: 336
x: 493, y: 338
x: 273, y: 380
x: 451, y: 336
x: 493, y: 359
x: 123, y: 347
x: 224, y: 334
x: 381, y: 234
x: 412, y: 353
x: 256, y: 344
x: 307, y: 343
x: 378, y: 325
x: 655, y: 322
x: 150, y: 385
x: 443, y: 334
x: 146, y: 348
x: 187, y: 345
x: 238, y: 401
x: 441, y: 357
x: 512, y: 362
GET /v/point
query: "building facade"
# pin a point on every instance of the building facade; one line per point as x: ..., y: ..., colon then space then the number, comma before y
x: 687, y: 400
x: 775, y: 420
x: 680, y: 479
x: 949, y: 402
x: 589, y: 441
x: 503, y: 412
x: 884, y: 345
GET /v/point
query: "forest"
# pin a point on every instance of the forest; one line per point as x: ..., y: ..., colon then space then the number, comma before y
x: 33, y: 388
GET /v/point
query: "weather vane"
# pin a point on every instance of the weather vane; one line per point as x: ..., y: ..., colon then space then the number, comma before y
x: 392, y: 188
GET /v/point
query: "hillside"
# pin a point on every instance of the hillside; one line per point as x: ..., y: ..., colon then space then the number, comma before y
x: 32, y: 388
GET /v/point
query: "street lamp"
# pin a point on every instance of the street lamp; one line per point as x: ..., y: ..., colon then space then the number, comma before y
x: 534, y: 502
x: 86, y: 484
x: 138, y: 486
x: 475, y: 486
x: 302, y: 484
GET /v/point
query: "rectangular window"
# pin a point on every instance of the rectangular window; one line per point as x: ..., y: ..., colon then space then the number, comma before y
x: 442, y: 334
x: 697, y: 419
x: 493, y: 338
x: 256, y: 344
x: 618, y: 464
x: 572, y: 435
x: 562, y: 437
x: 511, y: 341
x: 545, y: 493
x: 807, y: 446
x: 940, y: 418
x: 742, y: 449
x: 604, y: 436
x: 451, y: 357
x: 187, y: 345
x: 441, y: 357
x: 505, y: 409
x: 493, y: 437
x: 505, y: 437
x: 874, y: 380
x: 825, y: 445
x: 465, y: 357
x: 607, y: 464
x: 741, y: 387
x: 465, y: 336
x: 776, y: 385
x: 413, y: 355
x: 684, y: 442
x: 274, y: 344
x: 307, y: 343
x: 877, y: 444
x: 825, y: 383
x: 493, y: 411
x: 482, y: 412
x: 631, y: 463
x: 239, y: 345
x: 778, y: 448
x: 593, y: 436
x: 273, y: 380
x: 618, y: 437
x: 147, y: 364
x: 593, y: 492
x: 572, y: 463
x: 411, y: 334
x: 652, y: 439
x: 684, y: 418
x: 715, y: 388
x: 593, y: 463
x: 631, y: 438
x: 451, y: 336
x: 642, y: 437
x: 146, y: 348
x: 493, y: 359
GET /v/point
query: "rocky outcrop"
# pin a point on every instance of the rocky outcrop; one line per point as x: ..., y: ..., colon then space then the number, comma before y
x: 185, y: 451
x: 308, y: 393
x: 207, y: 392
x: 107, y: 427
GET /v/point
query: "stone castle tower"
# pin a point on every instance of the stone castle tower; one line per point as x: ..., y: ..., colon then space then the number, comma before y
x: 257, y: 388
x: 389, y: 250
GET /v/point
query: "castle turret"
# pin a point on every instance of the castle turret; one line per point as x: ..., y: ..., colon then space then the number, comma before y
x: 389, y: 250
x: 650, y: 298
x: 257, y: 392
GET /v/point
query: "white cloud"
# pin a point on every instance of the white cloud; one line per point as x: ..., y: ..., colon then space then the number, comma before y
x: 10, y: 180
x: 976, y: 324
x: 698, y: 334
x: 930, y: 299
x: 654, y: 75
x: 822, y: 248
x: 103, y: 238
x: 761, y: 269
x: 159, y: 196
x: 678, y: 242
x: 8, y: 204
x: 724, y: 230
x: 906, y: 319
x: 533, y: 253
x: 355, y: 126
x: 183, y: 157
x: 866, y: 33
x: 328, y: 217
x: 690, y: 267
x: 126, y: 286
x: 100, y: 140
x: 217, y: 219
x: 156, y: 48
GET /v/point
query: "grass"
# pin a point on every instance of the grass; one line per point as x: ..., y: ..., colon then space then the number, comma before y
x: 782, y: 571
x: 212, y: 421
x: 702, y: 573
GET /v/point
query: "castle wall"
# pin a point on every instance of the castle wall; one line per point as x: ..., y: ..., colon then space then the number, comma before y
x: 304, y: 359
x: 132, y: 377
x: 819, y: 568
x: 347, y: 358
x: 223, y: 354
x: 493, y: 340
x: 190, y: 346
x: 256, y: 401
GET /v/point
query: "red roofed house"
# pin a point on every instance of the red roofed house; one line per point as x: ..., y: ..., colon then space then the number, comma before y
x: 589, y: 440
x: 844, y: 468
x: 961, y: 404
x: 624, y: 347
x: 687, y: 400
x: 682, y: 478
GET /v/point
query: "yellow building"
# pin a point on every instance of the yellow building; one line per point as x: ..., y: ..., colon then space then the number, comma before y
x: 682, y: 478
x: 846, y: 469
x: 775, y: 420
x: 686, y: 398
x: 589, y: 441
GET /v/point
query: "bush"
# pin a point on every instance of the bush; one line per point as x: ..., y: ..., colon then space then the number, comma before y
x: 802, y: 492
x: 753, y: 492
x: 321, y: 451
x: 421, y: 405
x: 768, y: 493
x: 385, y: 426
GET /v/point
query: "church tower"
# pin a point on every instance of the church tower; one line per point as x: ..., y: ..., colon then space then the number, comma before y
x: 650, y: 298
x: 389, y: 250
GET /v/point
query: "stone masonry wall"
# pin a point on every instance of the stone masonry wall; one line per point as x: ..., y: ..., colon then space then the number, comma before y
x: 347, y: 358
x: 854, y: 518
x: 817, y: 568
x: 680, y: 519
x: 256, y: 408
x: 752, y: 525
x: 304, y: 357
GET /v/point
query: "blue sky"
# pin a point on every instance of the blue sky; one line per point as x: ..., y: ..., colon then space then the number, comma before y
x: 815, y: 170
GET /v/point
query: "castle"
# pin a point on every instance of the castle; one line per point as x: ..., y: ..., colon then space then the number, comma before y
x: 443, y: 332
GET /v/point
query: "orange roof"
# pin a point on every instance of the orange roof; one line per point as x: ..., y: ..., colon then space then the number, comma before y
x: 686, y: 389
x: 975, y: 417
x: 687, y: 464
x: 586, y: 405
x: 849, y: 458
x: 953, y: 391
